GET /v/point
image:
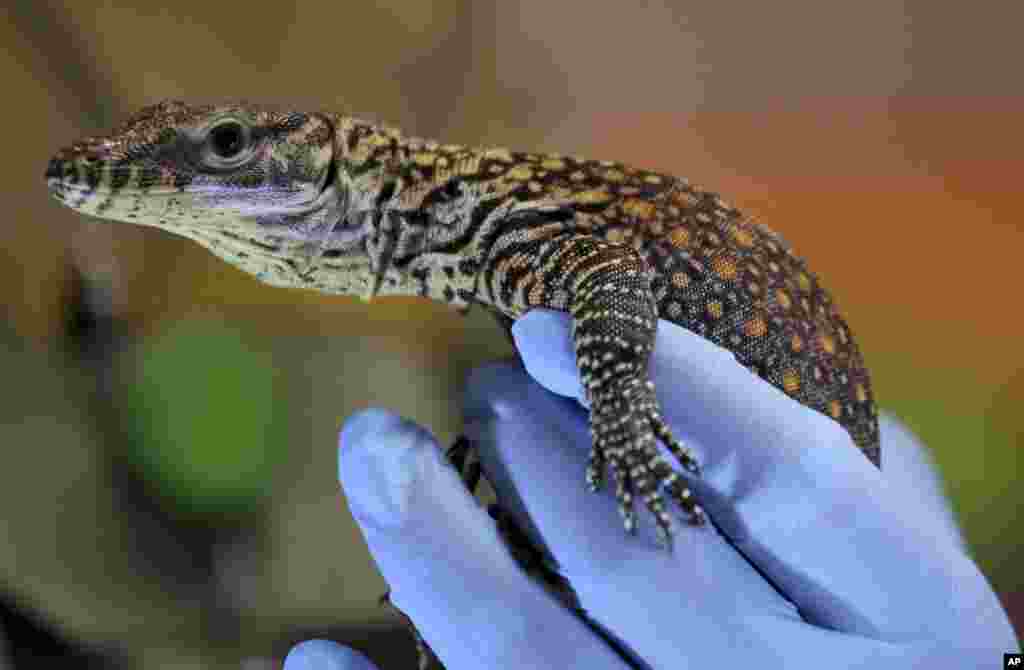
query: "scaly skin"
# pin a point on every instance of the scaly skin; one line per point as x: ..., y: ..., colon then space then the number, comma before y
x: 336, y: 204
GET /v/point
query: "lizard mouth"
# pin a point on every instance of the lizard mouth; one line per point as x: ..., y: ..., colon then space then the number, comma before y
x: 75, y: 186
x: 81, y: 170
x: 93, y: 186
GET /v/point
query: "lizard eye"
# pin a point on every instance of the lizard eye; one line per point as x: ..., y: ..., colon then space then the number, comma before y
x: 226, y: 143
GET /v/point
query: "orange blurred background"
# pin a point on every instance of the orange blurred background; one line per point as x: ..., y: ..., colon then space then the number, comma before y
x: 882, y: 138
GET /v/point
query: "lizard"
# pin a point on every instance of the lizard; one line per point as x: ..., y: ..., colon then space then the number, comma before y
x: 334, y: 203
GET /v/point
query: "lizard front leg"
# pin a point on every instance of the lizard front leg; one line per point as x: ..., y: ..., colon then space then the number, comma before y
x: 606, y: 289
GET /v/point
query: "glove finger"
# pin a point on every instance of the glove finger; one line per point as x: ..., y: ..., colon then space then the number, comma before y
x: 443, y: 560
x: 787, y: 486
x: 325, y: 655
x: 709, y: 606
x: 907, y: 464
x: 655, y: 602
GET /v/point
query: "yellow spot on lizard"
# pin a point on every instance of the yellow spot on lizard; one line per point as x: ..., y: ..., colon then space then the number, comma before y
x: 679, y: 238
x: 499, y: 154
x: 804, y: 282
x: 756, y: 327
x: 642, y: 209
x: 519, y: 173
x: 742, y: 237
x: 791, y: 381
x: 592, y: 196
x: 724, y: 266
x: 424, y: 159
x: 616, y: 235
x: 684, y: 199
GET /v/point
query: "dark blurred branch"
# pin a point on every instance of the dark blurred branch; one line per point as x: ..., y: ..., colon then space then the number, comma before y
x: 66, y: 59
x: 95, y: 334
x: 33, y: 642
x: 93, y: 97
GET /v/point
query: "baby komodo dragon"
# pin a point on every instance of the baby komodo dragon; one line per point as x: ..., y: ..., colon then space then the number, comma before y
x: 336, y: 204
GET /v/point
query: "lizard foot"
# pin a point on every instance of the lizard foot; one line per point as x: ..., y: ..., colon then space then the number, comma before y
x: 626, y: 423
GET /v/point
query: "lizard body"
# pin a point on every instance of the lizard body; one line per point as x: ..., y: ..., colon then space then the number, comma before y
x: 336, y: 204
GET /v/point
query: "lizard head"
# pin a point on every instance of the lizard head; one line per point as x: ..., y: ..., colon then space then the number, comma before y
x: 172, y: 163
x: 242, y: 180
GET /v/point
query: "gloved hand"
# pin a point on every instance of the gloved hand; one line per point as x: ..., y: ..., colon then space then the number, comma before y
x: 816, y: 557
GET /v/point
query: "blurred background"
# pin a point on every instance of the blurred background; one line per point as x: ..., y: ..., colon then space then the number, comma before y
x: 168, y: 425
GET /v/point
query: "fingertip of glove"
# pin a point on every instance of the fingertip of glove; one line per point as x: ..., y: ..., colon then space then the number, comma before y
x: 325, y: 655
x: 543, y: 339
x: 370, y: 422
x: 378, y: 464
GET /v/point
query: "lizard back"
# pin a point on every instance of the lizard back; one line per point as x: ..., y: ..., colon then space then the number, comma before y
x: 714, y: 271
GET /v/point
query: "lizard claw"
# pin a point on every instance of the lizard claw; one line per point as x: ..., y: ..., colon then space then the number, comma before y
x: 626, y: 424
x: 595, y: 470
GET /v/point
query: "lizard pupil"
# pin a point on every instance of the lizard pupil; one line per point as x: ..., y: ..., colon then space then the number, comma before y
x: 227, y: 139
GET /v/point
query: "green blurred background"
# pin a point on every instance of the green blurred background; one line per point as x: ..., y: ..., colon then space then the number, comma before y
x: 169, y: 424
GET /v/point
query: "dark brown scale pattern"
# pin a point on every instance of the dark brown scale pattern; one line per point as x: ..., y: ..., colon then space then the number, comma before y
x: 714, y: 272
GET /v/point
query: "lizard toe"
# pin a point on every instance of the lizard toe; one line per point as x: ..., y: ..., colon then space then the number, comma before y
x: 626, y: 425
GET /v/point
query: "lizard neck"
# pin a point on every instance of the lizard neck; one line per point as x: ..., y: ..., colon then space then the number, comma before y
x: 423, y: 206
x: 440, y: 212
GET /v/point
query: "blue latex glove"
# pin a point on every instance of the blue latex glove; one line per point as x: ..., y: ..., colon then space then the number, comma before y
x: 828, y: 563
